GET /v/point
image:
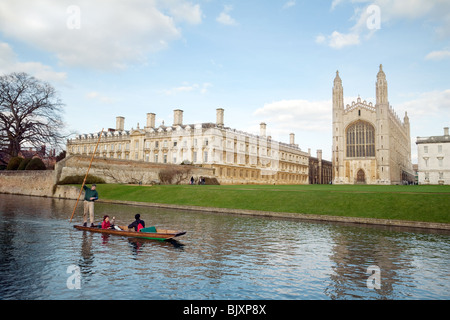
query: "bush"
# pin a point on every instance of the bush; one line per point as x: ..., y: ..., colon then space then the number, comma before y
x: 35, y: 164
x: 24, y: 164
x: 14, y: 163
x: 79, y: 180
x: 174, y: 176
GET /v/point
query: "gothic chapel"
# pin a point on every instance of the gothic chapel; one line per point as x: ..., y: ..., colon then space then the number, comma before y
x: 371, y: 145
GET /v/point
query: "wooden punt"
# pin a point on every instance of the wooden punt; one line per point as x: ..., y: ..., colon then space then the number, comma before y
x: 160, y: 234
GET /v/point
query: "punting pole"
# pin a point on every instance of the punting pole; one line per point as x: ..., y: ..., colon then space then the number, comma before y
x: 84, y: 181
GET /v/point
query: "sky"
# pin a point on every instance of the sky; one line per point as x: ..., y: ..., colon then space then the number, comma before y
x: 271, y: 61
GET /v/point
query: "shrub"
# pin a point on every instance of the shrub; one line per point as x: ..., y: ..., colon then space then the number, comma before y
x: 79, y: 180
x: 175, y: 176
x: 35, y: 164
x: 24, y: 164
x: 14, y: 163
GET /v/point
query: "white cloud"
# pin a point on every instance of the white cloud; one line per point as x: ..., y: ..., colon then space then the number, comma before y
x: 225, y: 18
x: 434, y: 104
x: 438, y: 55
x: 100, y: 97
x: 297, y: 114
x: 10, y: 63
x: 112, y: 33
x: 186, y: 87
x: 426, y: 110
x: 183, y: 11
x: 339, y: 40
x: 372, y: 15
x: 289, y: 4
x: 312, y: 120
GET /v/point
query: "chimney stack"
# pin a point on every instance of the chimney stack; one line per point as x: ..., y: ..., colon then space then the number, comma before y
x: 446, y: 131
x: 177, y: 117
x: 219, y: 117
x: 151, y: 120
x: 262, y: 129
x: 292, y: 139
x: 319, y: 155
x: 120, y: 123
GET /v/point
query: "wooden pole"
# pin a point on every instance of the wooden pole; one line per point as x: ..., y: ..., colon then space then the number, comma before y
x: 84, y: 181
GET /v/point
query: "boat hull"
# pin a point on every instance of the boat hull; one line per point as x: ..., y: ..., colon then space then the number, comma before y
x: 160, y: 234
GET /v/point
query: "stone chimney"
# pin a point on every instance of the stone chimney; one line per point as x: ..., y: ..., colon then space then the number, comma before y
x: 151, y: 120
x: 177, y: 117
x: 319, y: 155
x: 262, y: 129
x: 120, y: 123
x: 446, y: 131
x: 219, y: 117
x: 292, y: 139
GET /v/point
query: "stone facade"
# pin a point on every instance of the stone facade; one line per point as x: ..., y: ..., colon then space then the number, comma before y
x: 371, y: 145
x: 126, y: 171
x: 28, y: 182
x: 320, y: 171
x: 235, y: 156
x: 434, y: 159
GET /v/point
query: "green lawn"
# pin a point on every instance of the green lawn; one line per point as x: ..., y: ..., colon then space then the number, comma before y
x: 414, y: 203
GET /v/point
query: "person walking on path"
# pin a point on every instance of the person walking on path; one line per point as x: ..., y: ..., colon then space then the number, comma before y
x: 90, y: 195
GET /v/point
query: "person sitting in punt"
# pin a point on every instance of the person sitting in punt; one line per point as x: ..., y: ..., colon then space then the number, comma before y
x: 106, y: 224
x: 138, y: 224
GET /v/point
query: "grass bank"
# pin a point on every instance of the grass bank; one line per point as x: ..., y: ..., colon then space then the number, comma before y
x: 411, y: 203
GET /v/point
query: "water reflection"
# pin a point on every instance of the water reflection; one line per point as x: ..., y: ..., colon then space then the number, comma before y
x: 220, y: 257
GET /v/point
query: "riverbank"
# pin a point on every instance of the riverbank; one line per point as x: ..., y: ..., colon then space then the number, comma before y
x: 408, y: 206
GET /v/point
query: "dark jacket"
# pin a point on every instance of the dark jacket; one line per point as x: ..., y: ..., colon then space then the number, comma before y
x: 136, y: 223
x: 88, y: 194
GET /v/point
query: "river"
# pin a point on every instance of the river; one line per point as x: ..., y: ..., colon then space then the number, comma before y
x: 221, y: 256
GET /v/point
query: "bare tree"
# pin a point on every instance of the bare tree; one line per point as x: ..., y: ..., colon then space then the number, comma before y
x: 174, y: 175
x: 30, y: 113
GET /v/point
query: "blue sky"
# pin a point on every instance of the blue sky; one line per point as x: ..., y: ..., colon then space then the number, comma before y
x: 262, y: 61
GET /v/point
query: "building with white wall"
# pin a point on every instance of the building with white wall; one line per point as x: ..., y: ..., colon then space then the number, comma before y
x: 434, y: 159
x: 236, y: 156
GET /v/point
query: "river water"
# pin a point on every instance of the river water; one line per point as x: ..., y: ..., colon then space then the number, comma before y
x: 220, y: 257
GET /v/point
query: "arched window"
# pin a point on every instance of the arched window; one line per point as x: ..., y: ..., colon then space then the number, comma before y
x: 360, y: 140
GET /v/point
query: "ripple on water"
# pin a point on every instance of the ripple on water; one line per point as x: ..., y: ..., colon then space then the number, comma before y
x: 220, y: 257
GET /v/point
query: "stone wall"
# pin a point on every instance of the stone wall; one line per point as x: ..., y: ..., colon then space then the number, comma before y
x: 32, y: 183
x: 44, y: 183
x: 123, y: 171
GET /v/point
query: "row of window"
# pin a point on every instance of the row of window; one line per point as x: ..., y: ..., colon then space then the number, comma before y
x: 426, y: 148
x: 252, y: 174
x: 427, y: 176
x: 439, y: 159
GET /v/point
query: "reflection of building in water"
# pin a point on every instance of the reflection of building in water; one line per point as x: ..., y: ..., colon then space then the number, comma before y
x: 371, y: 145
x: 355, y: 250
x: 236, y: 156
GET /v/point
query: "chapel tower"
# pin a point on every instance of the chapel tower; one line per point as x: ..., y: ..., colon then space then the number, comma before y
x: 338, y: 141
x: 371, y: 145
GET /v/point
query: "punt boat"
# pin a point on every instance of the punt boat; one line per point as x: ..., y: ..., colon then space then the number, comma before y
x: 151, y: 233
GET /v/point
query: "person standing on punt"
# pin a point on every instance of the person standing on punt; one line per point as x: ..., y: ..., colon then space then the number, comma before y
x: 90, y: 195
x: 138, y: 224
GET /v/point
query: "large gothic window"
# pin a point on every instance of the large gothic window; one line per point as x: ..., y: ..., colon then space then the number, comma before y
x: 360, y: 140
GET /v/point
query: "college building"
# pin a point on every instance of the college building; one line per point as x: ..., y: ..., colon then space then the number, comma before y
x: 434, y: 159
x: 371, y: 144
x: 236, y: 156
